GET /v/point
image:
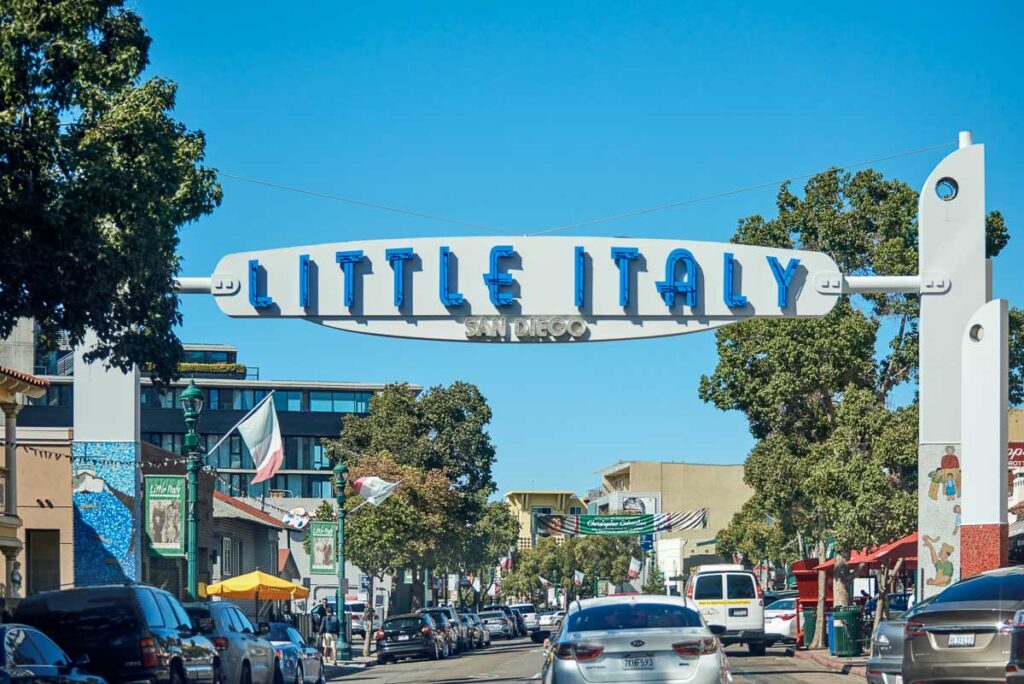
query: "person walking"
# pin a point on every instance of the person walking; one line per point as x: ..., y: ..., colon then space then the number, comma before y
x: 329, y: 630
x: 318, y: 613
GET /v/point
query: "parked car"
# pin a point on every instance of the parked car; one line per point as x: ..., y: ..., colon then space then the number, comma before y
x: 520, y: 622
x: 29, y: 655
x: 300, y: 662
x: 551, y: 619
x: 481, y: 635
x: 531, y: 621
x: 509, y: 613
x: 963, y: 634
x: 130, y: 633
x: 771, y: 597
x: 730, y: 596
x: 780, y: 622
x: 498, y: 623
x: 354, y: 610
x: 454, y: 623
x: 410, y: 636
x: 245, y: 657
x: 635, y: 638
x: 885, y: 665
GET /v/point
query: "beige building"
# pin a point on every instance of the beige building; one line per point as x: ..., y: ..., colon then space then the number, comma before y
x: 553, y: 501
x: 662, y: 487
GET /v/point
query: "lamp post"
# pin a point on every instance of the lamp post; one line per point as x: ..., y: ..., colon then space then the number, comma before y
x: 340, y: 475
x: 192, y: 405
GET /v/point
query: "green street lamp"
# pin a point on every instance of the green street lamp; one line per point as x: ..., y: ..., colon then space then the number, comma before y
x: 340, y: 476
x: 192, y: 405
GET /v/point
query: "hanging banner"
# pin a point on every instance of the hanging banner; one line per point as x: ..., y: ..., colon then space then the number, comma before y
x: 526, y: 289
x: 323, y: 557
x: 164, y: 497
x: 621, y: 524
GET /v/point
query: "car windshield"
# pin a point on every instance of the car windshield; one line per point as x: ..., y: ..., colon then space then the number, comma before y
x: 784, y: 604
x: 632, y: 616
x: 403, y: 623
x: 999, y: 587
x: 82, y: 619
x: 494, y: 615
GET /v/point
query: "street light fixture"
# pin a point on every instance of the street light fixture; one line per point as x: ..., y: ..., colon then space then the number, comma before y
x: 192, y: 405
x: 340, y: 477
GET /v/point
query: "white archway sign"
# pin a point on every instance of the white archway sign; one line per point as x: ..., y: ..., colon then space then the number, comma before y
x: 579, y: 289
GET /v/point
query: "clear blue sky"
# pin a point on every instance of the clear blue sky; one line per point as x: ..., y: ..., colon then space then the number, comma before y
x: 525, y: 115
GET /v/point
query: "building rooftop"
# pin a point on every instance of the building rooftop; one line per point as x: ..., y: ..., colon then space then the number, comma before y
x: 225, y: 506
x: 202, y: 346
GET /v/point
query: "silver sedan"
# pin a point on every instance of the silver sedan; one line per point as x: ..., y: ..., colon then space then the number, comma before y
x: 300, y: 662
x: 620, y: 639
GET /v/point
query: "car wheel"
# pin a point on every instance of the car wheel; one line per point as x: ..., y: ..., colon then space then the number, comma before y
x: 176, y: 677
x: 435, y: 654
x: 756, y: 648
x: 321, y: 679
x: 218, y: 675
x: 245, y: 676
x: 300, y: 676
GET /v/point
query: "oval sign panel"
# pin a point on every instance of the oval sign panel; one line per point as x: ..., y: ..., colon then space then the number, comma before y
x: 524, y: 289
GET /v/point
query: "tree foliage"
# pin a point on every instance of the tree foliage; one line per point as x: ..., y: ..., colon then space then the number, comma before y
x: 96, y: 178
x: 836, y: 453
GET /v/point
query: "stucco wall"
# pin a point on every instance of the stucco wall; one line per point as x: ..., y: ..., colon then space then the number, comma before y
x: 44, y: 477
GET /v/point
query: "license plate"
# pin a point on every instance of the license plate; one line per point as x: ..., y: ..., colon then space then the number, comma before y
x: 961, y: 640
x: 638, y: 664
x: 403, y: 637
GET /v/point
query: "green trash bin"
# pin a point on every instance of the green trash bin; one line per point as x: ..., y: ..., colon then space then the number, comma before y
x: 847, y: 626
x: 809, y: 619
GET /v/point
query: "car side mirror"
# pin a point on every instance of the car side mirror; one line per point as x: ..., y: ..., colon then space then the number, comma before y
x: 717, y: 630
x: 80, y: 660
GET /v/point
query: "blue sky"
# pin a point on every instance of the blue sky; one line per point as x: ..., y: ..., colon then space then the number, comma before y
x: 526, y: 115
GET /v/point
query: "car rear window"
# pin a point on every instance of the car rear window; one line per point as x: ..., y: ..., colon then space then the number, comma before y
x: 740, y: 587
x: 633, y: 616
x: 201, y: 618
x: 81, y: 619
x: 526, y: 609
x: 278, y: 633
x: 403, y: 623
x: 784, y: 604
x: 707, y: 587
x: 985, y: 588
x: 495, y: 615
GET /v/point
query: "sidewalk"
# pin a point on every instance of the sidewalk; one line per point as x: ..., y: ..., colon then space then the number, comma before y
x: 347, y: 667
x: 851, y: 666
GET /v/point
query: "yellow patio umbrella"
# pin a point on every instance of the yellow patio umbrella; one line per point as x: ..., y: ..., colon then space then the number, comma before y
x: 258, y: 585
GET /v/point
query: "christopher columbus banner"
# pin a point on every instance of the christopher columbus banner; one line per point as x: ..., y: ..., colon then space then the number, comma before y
x: 608, y: 525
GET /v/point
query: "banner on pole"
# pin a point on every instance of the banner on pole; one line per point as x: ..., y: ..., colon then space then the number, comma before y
x: 621, y: 524
x: 165, y: 514
x: 323, y: 558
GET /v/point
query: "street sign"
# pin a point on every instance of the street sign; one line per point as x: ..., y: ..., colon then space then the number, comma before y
x: 646, y: 542
x: 364, y: 583
x: 526, y: 289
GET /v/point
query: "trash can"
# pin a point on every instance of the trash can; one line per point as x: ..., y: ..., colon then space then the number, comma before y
x: 830, y: 632
x: 809, y: 618
x: 844, y: 631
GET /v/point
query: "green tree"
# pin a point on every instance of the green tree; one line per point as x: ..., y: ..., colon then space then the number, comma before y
x: 96, y: 179
x: 444, y: 427
x: 836, y: 454
x: 655, y: 583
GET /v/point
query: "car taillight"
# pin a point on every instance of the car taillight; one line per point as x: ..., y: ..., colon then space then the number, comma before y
x: 695, y: 648
x: 760, y: 591
x: 578, y: 652
x: 913, y: 629
x: 220, y: 643
x: 1018, y: 618
x: 280, y: 654
x: 689, y: 590
x: 427, y: 631
x: 1007, y: 627
x: 379, y: 635
x: 148, y: 648
x: 787, y: 617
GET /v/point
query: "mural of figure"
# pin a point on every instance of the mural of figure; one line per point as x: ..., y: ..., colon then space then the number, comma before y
x: 956, y: 519
x: 940, y: 559
x: 933, y: 489
x: 950, y: 466
x: 950, y: 487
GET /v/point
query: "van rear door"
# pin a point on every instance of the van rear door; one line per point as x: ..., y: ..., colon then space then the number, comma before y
x: 709, y: 596
x: 745, y: 611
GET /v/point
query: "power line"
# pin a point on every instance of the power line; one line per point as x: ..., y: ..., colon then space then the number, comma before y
x: 359, y: 202
x: 726, y: 193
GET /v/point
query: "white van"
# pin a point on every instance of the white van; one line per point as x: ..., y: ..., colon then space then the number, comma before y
x: 730, y: 596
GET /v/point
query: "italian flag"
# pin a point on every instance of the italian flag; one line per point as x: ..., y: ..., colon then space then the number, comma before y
x: 262, y: 435
x: 374, y: 489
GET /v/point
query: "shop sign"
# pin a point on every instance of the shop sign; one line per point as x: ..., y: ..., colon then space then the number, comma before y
x: 526, y: 289
x: 1015, y: 455
x: 323, y: 557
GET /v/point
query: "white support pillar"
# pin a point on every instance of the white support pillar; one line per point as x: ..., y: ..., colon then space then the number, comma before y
x: 983, y: 528
x: 951, y: 220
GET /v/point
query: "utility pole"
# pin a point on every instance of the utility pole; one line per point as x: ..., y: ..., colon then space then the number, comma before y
x: 192, y: 405
x: 340, y: 476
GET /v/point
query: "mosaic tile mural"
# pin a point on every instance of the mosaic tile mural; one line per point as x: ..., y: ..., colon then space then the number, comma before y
x: 106, y: 500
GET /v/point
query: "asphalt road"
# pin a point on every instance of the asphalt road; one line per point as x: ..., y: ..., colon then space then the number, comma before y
x: 508, y: 662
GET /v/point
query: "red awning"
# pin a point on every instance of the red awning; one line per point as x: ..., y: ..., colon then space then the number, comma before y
x: 889, y: 553
x: 856, y: 558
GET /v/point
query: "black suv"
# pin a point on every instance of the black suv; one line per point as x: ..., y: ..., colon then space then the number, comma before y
x: 130, y: 633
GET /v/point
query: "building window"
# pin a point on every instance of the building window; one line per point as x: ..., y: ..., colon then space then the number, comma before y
x: 541, y: 510
x: 239, y: 559
x: 56, y: 395
x: 167, y: 441
x: 227, y: 566
x: 288, y: 400
x: 320, y: 487
x: 42, y: 555
x: 221, y: 399
x: 339, y: 402
x: 575, y: 510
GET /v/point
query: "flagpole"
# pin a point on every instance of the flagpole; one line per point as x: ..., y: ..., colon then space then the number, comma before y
x: 235, y: 426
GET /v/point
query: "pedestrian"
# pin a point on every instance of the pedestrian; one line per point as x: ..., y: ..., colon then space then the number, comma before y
x: 329, y: 629
x: 318, y: 613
